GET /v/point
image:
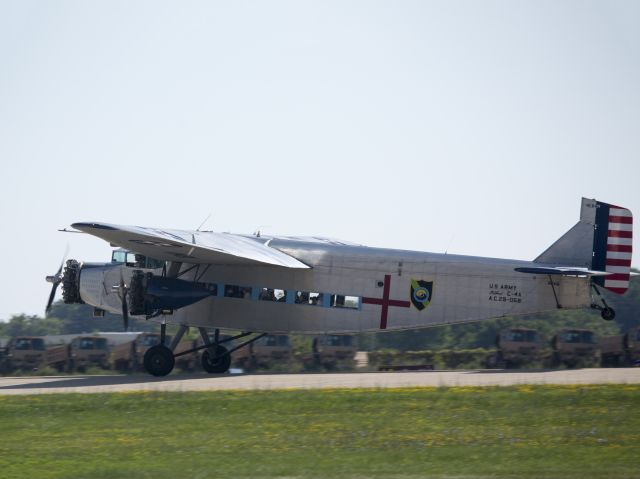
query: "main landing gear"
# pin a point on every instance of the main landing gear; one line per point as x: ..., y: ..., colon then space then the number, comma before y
x: 159, y: 360
x: 606, y: 312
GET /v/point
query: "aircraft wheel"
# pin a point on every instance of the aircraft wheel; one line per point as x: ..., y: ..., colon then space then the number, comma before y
x: 159, y: 360
x: 608, y: 314
x: 213, y: 365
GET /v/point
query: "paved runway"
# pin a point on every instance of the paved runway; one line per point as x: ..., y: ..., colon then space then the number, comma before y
x: 117, y: 383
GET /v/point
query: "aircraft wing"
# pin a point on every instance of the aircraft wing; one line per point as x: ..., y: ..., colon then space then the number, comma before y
x: 191, y: 246
x: 561, y: 270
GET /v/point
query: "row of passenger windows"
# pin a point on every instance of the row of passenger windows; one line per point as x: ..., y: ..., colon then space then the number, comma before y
x: 289, y: 296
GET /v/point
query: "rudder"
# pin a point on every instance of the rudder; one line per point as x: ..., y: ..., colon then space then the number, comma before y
x: 612, y: 246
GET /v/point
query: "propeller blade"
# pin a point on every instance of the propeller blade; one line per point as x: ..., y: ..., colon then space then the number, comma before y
x: 51, y: 296
x: 64, y: 258
x: 125, y: 306
x: 56, y: 280
x: 125, y: 314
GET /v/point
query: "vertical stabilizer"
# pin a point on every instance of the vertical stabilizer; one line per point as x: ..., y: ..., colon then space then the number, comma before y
x: 600, y: 241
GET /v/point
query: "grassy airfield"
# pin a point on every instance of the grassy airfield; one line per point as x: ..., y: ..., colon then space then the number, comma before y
x: 528, y: 431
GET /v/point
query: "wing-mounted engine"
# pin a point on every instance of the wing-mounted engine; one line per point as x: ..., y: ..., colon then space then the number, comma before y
x: 151, y: 295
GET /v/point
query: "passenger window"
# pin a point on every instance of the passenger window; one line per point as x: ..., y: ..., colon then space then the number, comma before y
x: 268, y: 294
x: 337, y: 301
x: 232, y: 291
x: 302, y: 297
x: 309, y: 297
x: 154, y: 263
x: 340, y: 301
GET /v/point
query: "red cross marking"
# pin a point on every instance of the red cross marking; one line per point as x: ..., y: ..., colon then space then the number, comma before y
x: 385, y: 302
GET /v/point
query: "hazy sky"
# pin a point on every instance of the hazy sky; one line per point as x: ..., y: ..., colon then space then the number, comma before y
x: 472, y: 126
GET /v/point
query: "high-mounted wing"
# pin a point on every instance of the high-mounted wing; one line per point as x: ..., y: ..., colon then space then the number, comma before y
x: 191, y: 246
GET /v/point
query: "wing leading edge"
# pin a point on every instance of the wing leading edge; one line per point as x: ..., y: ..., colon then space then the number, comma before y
x: 190, y: 246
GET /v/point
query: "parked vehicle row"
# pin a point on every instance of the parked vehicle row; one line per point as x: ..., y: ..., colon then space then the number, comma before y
x: 124, y: 352
x: 569, y: 347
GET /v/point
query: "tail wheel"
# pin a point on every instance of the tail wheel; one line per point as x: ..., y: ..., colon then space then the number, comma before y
x: 218, y: 363
x: 608, y: 314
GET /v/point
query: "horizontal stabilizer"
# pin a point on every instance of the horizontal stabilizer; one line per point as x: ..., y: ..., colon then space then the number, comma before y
x: 561, y: 270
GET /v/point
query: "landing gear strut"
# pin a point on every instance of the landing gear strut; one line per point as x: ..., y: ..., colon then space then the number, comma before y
x: 606, y: 312
x: 159, y: 359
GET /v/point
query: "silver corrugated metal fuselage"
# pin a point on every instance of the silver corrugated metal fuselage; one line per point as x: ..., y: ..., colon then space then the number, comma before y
x: 464, y: 289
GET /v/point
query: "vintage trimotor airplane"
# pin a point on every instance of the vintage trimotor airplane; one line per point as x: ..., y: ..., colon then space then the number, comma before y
x: 270, y: 284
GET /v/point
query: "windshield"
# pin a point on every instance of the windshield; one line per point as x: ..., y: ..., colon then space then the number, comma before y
x: 118, y: 256
x: 271, y: 340
x: 93, y: 343
x: 578, y: 337
x: 152, y: 340
x: 522, y: 336
x: 338, y: 340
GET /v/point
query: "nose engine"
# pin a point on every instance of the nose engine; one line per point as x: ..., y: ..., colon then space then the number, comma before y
x: 120, y: 289
x: 71, y: 282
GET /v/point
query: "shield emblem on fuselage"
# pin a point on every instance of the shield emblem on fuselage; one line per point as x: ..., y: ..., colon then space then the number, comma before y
x: 421, y: 293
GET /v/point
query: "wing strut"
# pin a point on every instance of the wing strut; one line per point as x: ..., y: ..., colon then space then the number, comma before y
x: 553, y: 288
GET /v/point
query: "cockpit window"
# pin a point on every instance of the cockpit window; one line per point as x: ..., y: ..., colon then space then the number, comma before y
x: 118, y: 256
x: 135, y: 260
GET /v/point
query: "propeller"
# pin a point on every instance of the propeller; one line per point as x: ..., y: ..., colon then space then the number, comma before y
x: 55, y: 280
x: 122, y: 289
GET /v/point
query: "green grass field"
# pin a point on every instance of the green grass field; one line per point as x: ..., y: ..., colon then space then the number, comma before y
x: 559, y: 432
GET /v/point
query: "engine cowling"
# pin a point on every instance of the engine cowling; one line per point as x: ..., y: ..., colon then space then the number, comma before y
x: 149, y: 294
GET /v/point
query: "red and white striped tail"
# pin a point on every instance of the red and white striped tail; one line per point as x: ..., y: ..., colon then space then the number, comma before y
x: 614, y: 249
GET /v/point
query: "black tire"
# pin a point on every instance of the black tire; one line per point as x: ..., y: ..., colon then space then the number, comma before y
x: 219, y: 365
x: 159, y: 360
x: 608, y: 314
